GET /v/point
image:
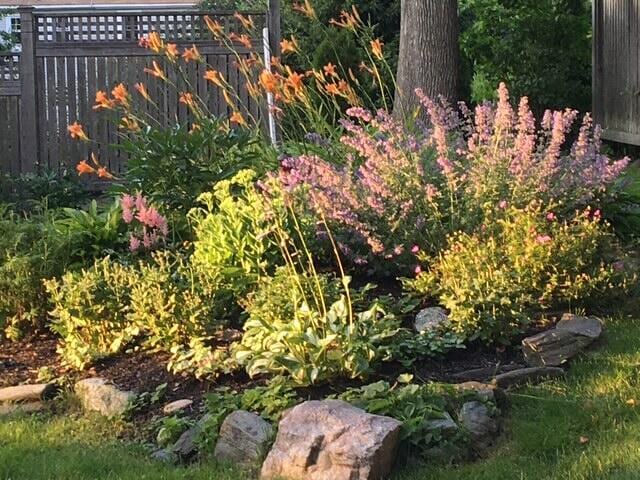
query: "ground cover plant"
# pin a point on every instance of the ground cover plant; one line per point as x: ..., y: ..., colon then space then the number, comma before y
x: 304, y: 262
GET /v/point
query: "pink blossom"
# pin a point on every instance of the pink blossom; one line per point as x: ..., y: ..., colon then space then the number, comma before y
x: 417, y: 270
x: 551, y: 216
x: 415, y: 249
x: 502, y: 205
x: 542, y: 239
x: 134, y: 243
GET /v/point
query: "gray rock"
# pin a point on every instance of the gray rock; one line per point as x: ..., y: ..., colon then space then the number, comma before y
x: 445, y: 425
x: 164, y: 455
x: 475, y: 418
x: 430, y: 318
x: 177, y: 406
x: 186, y: 446
x: 28, y: 407
x: 570, y: 337
x: 27, y: 393
x: 483, y: 374
x: 243, y: 439
x: 98, y: 395
x: 330, y: 439
x: 527, y: 375
x: 590, y: 327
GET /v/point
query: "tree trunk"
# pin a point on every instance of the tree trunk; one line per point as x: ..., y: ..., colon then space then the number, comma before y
x: 429, y: 57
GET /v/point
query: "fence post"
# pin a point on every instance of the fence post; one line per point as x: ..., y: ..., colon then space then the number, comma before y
x: 273, y: 24
x: 28, y: 97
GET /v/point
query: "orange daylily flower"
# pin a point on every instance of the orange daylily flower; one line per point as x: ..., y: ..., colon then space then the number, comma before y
x: 120, y: 95
x: 156, y: 71
x: 191, y: 54
x: 187, y: 99
x: 332, y: 89
x: 76, y: 131
x: 305, y: 8
x: 365, y: 67
x: 195, y: 127
x: 172, y: 51
x: 347, y: 20
x: 155, y: 42
x: 214, y: 77
x: 104, y: 173
x: 243, y: 39
x: 237, y: 118
x: 102, y: 101
x: 142, y: 90
x: 130, y: 124
x: 289, y: 46
x: 330, y: 69
x: 213, y: 26
x: 376, y: 48
x: 294, y: 81
x: 84, y: 168
x: 246, y: 22
x: 269, y: 81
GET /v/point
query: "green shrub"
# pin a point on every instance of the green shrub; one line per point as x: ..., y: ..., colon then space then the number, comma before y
x: 174, y: 166
x: 524, y: 261
x: 91, y: 310
x: 233, y: 245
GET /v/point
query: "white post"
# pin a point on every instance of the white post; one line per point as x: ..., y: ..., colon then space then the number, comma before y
x: 270, y: 102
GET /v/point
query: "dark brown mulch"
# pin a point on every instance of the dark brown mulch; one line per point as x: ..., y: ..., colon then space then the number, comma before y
x: 140, y: 371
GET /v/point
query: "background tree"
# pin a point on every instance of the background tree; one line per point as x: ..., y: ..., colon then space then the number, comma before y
x: 429, y: 57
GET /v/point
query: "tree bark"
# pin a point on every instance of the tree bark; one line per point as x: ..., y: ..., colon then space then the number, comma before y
x: 429, y: 56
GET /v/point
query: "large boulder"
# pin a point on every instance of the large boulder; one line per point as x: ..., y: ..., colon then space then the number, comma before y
x: 476, y: 419
x: 431, y: 318
x: 99, y: 395
x: 332, y: 440
x: 554, y: 347
x: 243, y: 439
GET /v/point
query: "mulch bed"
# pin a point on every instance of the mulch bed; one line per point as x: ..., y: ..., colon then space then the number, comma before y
x: 26, y: 360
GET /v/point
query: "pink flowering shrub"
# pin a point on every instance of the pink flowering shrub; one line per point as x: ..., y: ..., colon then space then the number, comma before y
x: 405, y: 189
x: 148, y: 227
x: 523, y: 261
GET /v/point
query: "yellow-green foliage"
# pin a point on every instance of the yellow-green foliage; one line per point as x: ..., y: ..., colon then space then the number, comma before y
x: 524, y: 261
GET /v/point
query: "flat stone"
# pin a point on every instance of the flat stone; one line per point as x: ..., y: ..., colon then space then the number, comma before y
x: 178, y: 405
x: 430, y: 318
x: 164, y: 455
x: 27, y: 393
x: 29, y: 407
x: 445, y: 425
x: 590, y: 327
x: 332, y: 440
x: 553, y: 347
x: 186, y: 446
x: 98, y: 395
x: 483, y: 374
x: 527, y: 375
x: 475, y: 418
x: 243, y: 439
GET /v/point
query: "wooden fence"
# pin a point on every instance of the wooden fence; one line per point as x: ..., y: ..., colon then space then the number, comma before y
x: 68, y: 55
x: 616, y: 69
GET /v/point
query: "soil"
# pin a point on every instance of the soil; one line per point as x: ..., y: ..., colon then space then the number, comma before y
x: 34, y: 359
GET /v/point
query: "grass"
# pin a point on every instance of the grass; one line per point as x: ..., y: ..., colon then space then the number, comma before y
x: 542, y: 438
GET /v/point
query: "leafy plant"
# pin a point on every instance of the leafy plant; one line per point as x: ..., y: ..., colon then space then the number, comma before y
x: 174, y: 166
x: 524, y: 261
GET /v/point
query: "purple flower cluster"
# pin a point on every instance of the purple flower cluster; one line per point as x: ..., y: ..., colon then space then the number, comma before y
x: 399, y: 188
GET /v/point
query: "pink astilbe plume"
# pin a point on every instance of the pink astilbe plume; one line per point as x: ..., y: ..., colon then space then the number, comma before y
x: 150, y: 228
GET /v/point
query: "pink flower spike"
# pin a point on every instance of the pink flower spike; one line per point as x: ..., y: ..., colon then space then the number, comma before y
x: 415, y: 249
x: 597, y: 213
x: 418, y: 270
x: 128, y: 202
x: 134, y: 243
x: 551, y: 216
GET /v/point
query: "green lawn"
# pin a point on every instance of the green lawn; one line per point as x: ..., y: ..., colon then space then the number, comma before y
x: 541, y: 442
